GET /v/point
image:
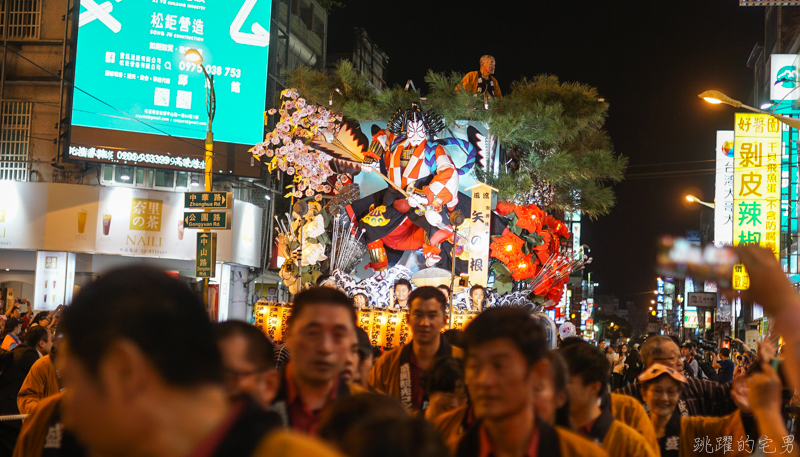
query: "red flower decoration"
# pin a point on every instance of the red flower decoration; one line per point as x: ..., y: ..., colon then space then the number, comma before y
x: 506, y: 248
x: 544, y: 250
x: 523, y: 268
x: 530, y: 218
x: 505, y: 208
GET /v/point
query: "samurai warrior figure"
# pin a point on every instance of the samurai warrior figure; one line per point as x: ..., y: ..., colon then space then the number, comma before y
x: 414, y: 161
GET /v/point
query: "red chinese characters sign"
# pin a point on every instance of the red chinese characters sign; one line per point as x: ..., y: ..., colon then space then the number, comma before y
x: 757, y: 173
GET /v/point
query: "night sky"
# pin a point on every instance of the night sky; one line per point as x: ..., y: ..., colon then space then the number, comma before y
x: 648, y: 59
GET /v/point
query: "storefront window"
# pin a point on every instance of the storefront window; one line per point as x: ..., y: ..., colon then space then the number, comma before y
x: 165, y: 178
x: 144, y: 177
x: 183, y: 179
x: 124, y: 175
x: 149, y: 178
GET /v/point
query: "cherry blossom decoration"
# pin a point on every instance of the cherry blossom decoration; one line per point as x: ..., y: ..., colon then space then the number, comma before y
x: 287, y: 146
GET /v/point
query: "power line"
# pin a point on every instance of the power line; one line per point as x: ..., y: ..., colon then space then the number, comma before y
x: 670, y: 163
x: 673, y: 172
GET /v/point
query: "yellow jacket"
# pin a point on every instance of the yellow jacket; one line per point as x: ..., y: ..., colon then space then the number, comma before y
x: 287, y: 443
x: 629, y: 411
x: 34, y: 430
x: 552, y: 441
x: 385, y: 375
x: 470, y: 84
x: 452, y: 425
x: 704, y: 429
x: 40, y: 383
x: 622, y: 441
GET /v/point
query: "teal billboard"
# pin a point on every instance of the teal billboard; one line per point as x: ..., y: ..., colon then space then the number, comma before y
x: 131, y: 74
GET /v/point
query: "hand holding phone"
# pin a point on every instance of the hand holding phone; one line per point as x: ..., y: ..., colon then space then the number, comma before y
x: 680, y: 258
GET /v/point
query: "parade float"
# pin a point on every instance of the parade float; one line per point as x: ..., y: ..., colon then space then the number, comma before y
x: 446, y: 189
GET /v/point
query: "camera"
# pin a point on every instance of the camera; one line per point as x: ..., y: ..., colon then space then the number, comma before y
x: 707, y: 345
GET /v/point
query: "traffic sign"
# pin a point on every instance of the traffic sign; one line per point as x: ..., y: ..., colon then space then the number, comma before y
x: 215, y: 200
x: 207, y: 220
x: 206, y: 255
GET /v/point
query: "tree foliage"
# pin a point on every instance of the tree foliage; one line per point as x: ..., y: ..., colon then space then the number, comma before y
x: 559, y: 155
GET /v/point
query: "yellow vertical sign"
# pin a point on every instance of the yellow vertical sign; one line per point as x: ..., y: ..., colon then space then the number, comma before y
x: 756, y: 184
x: 479, y: 233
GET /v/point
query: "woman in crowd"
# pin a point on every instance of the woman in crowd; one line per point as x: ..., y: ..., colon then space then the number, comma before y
x: 678, y: 436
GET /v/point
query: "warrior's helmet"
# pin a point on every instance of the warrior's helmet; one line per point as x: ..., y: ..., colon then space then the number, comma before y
x: 406, y: 123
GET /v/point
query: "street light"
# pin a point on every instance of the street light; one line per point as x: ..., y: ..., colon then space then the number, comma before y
x: 194, y: 56
x: 693, y: 199
x: 715, y: 97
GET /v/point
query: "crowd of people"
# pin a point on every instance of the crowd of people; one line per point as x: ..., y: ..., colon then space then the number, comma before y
x: 141, y: 371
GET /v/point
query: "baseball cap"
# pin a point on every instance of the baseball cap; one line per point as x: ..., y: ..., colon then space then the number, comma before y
x: 655, y: 370
x: 11, y: 324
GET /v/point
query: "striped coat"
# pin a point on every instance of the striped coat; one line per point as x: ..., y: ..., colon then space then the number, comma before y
x: 438, y: 164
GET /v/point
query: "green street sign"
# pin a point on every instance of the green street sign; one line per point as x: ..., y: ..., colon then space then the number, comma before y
x: 216, y: 200
x: 207, y: 220
x: 206, y: 255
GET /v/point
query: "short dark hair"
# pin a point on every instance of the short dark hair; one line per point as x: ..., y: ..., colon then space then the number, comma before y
x: 588, y: 363
x: 322, y: 279
x: 155, y: 311
x: 348, y: 411
x: 427, y: 293
x: 321, y: 296
x: 508, y: 323
x: 445, y: 374
x: 260, y: 350
x: 443, y: 287
x: 476, y: 287
x: 36, y: 334
x: 454, y: 337
x: 395, y: 437
x: 725, y: 352
x: 402, y: 282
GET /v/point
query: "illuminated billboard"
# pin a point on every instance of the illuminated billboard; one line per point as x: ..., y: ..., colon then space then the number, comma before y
x: 131, y: 76
x: 757, y: 174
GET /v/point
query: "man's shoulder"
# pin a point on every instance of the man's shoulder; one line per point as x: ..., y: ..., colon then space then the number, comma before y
x: 621, y: 400
x: 444, y: 420
x: 621, y: 434
x: 390, y: 356
x: 291, y: 444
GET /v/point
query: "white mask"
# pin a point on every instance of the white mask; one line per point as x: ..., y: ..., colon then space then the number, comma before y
x: 416, y: 133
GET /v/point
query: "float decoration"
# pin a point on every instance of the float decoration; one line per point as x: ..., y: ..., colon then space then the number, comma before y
x: 559, y: 155
x: 528, y: 255
x: 287, y: 146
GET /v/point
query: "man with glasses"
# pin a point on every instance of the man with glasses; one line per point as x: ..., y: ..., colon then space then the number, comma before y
x: 699, y: 397
x: 248, y: 360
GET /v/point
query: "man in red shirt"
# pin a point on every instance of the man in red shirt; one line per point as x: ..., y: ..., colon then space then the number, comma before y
x: 319, y: 336
x: 505, y: 357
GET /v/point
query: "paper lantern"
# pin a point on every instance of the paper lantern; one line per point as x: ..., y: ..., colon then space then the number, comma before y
x: 377, y: 335
x: 364, y: 320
